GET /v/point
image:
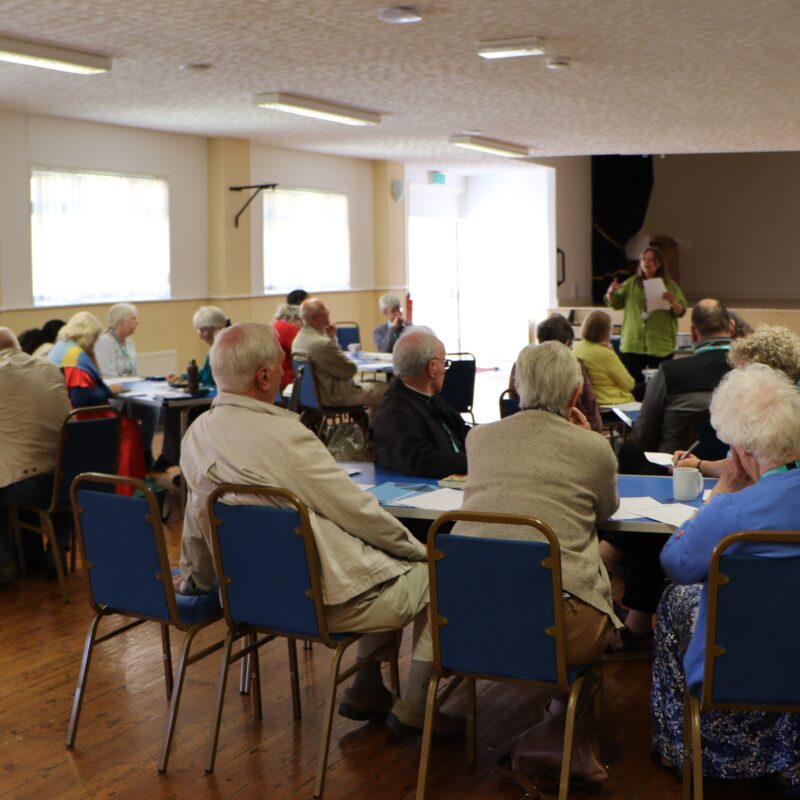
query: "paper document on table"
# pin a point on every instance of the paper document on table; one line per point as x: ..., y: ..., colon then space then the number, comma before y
x: 438, y: 500
x: 662, y: 459
x: 124, y: 380
x: 653, y: 289
x: 365, y: 486
x: 707, y: 494
x: 670, y: 513
x: 622, y: 514
x: 636, y: 505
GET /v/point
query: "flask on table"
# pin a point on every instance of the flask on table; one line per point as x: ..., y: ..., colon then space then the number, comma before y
x: 193, y: 377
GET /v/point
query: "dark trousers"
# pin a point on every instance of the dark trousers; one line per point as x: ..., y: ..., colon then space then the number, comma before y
x: 35, y: 491
x: 636, y: 362
x: 643, y: 577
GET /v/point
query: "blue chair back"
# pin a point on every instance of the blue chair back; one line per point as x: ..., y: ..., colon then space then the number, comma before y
x: 710, y: 447
x: 508, y: 405
x: 307, y: 395
x: 496, y: 603
x: 87, y: 445
x: 347, y: 333
x: 268, y: 563
x: 459, y: 382
x: 122, y: 544
x: 752, y: 658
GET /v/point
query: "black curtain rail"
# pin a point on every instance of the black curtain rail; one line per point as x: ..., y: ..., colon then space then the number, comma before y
x: 258, y: 188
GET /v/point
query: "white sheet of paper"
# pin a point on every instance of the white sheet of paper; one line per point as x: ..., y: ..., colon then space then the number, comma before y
x: 637, y: 505
x: 662, y: 459
x: 365, y: 486
x: 634, y: 405
x: 438, y: 500
x: 622, y: 514
x: 653, y: 289
x: 707, y: 493
x: 670, y: 513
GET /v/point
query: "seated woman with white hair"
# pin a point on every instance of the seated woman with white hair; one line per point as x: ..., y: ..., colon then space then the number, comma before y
x: 387, y: 333
x: 546, y: 462
x: 209, y: 321
x: 755, y: 410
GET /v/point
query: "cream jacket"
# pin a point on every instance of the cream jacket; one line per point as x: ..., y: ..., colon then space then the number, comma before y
x: 243, y: 440
x: 535, y: 462
x: 33, y: 406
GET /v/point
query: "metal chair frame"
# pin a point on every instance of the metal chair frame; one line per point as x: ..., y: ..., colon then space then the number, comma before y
x: 254, y: 639
x: 45, y: 522
x: 329, y: 416
x: 505, y: 402
x: 562, y: 684
x: 174, y: 687
x: 694, y: 706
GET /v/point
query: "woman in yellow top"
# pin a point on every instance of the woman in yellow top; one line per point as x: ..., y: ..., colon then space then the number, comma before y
x: 612, y: 383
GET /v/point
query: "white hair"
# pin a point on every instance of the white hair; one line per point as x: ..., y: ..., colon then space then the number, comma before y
x: 757, y: 408
x: 547, y: 375
x: 309, y: 309
x: 413, y: 351
x: 209, y: 317
x: 239, y: 351
x: 287, y: 312
x: 83, y: 328
x: 119, y: 313
x: 388, y: 302
x: 8, y: 340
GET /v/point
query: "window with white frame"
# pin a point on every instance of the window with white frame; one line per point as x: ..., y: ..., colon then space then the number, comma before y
x: 98, y: 237
x: 306, y: 240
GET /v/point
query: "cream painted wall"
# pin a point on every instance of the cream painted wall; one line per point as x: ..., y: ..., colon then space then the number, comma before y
x: 299, y: 170
x: 30, y: 140
x: 734, y: 217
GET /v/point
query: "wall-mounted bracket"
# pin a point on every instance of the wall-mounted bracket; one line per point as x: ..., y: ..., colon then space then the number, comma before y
x: 258, y: 187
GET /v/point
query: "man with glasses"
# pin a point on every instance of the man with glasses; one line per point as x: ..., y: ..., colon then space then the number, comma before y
x: 416, y: 432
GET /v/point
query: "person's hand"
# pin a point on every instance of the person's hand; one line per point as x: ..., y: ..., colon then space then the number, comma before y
x: 689, y: 461
x: 615, y: 284
x: 670, y: 298
x: 177, y: 580
x: 578, y: 418
x: 733, y: 477
x: 398, y: 321
x: 116, y: 388
x: 330, y: 330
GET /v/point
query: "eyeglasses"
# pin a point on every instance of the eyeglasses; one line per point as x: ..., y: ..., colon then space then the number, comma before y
x: 446, y: 362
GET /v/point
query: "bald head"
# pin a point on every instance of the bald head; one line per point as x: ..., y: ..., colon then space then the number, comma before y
x: 710, y: 318
x: 313, y: 312
x: 8, y: 340
x: 418, y: 360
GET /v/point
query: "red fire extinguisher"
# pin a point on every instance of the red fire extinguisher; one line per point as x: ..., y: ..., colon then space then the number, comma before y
x: 409, y: 308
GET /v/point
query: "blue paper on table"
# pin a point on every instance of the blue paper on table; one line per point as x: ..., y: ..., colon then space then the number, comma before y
x: 387, y: 493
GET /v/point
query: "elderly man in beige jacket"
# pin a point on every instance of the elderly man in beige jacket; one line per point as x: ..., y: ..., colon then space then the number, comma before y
x: 374, y: 576
x: 334, y: 370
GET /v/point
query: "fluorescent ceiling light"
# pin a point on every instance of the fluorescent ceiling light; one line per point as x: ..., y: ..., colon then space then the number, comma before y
x: 319, y: 109
x: 492, y: 146
x: 399, y: 15
x: 33, y: 54
x: 511, y: 48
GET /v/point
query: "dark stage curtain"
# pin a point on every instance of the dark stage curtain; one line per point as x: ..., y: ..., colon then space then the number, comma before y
x: 621, y: 187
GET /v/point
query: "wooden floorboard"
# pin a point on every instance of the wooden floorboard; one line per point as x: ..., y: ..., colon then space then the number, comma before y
x: 124, y: 715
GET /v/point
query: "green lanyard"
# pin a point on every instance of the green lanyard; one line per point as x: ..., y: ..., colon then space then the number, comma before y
x: 782, y: 468
x: 453, y: 442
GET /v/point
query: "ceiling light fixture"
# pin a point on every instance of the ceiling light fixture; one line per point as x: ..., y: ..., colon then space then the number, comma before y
x: 319, y: 109
x: 34, y: 54
x: 511, y: 48
x: 399, y: 15
x: 492, y: 146
x: 558, y: 62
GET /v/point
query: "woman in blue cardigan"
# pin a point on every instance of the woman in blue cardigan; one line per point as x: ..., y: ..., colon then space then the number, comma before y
x: 756, y: 410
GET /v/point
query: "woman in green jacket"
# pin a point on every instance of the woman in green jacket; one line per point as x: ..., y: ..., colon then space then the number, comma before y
x: 648, y: 337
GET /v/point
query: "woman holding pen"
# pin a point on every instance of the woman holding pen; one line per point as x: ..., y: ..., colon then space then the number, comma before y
x: 648, y: 335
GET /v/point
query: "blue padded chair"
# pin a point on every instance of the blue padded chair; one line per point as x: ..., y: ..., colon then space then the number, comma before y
x: 305, y: 401
x: 459, y: 383
x: 496, y: 615
x: 128, y: 573
x: 752, y: 660
x: 270, y: 584
x: 508, y: 405
x: 347, y: 333
x: 89, y: 443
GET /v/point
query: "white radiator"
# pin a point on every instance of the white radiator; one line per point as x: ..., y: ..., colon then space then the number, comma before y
x: 161, y: 362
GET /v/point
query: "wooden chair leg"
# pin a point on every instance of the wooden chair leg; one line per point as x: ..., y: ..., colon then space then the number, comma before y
x: 222, y: 681
x: 55, y: 551
x: 13, y: 520
x: 327, y: 721
x: 176, y: 697
x: 394, y: 669
x: 697, y: 747
x: 244, y: 671
x: 294, y: 677
x: 472, y: 723
x: 255, y: 679
x: 77, y: 702
x: 166, y: 655
x: 687, y: 745
x: 569, y: 734
x: 427, y: 738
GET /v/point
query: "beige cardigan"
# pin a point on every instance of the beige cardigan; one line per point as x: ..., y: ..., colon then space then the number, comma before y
x: 538, y: 463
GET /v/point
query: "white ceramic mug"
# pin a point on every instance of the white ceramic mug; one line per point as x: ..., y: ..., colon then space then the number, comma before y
x: 687, y: 483
x: 354, y: 347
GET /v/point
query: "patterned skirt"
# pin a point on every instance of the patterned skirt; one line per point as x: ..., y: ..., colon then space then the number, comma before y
x: 736, y: 744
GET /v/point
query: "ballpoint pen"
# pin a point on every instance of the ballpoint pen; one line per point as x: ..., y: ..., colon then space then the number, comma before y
x: 687, y: 452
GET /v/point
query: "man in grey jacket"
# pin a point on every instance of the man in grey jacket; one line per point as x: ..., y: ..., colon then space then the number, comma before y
x: 374, y: 576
